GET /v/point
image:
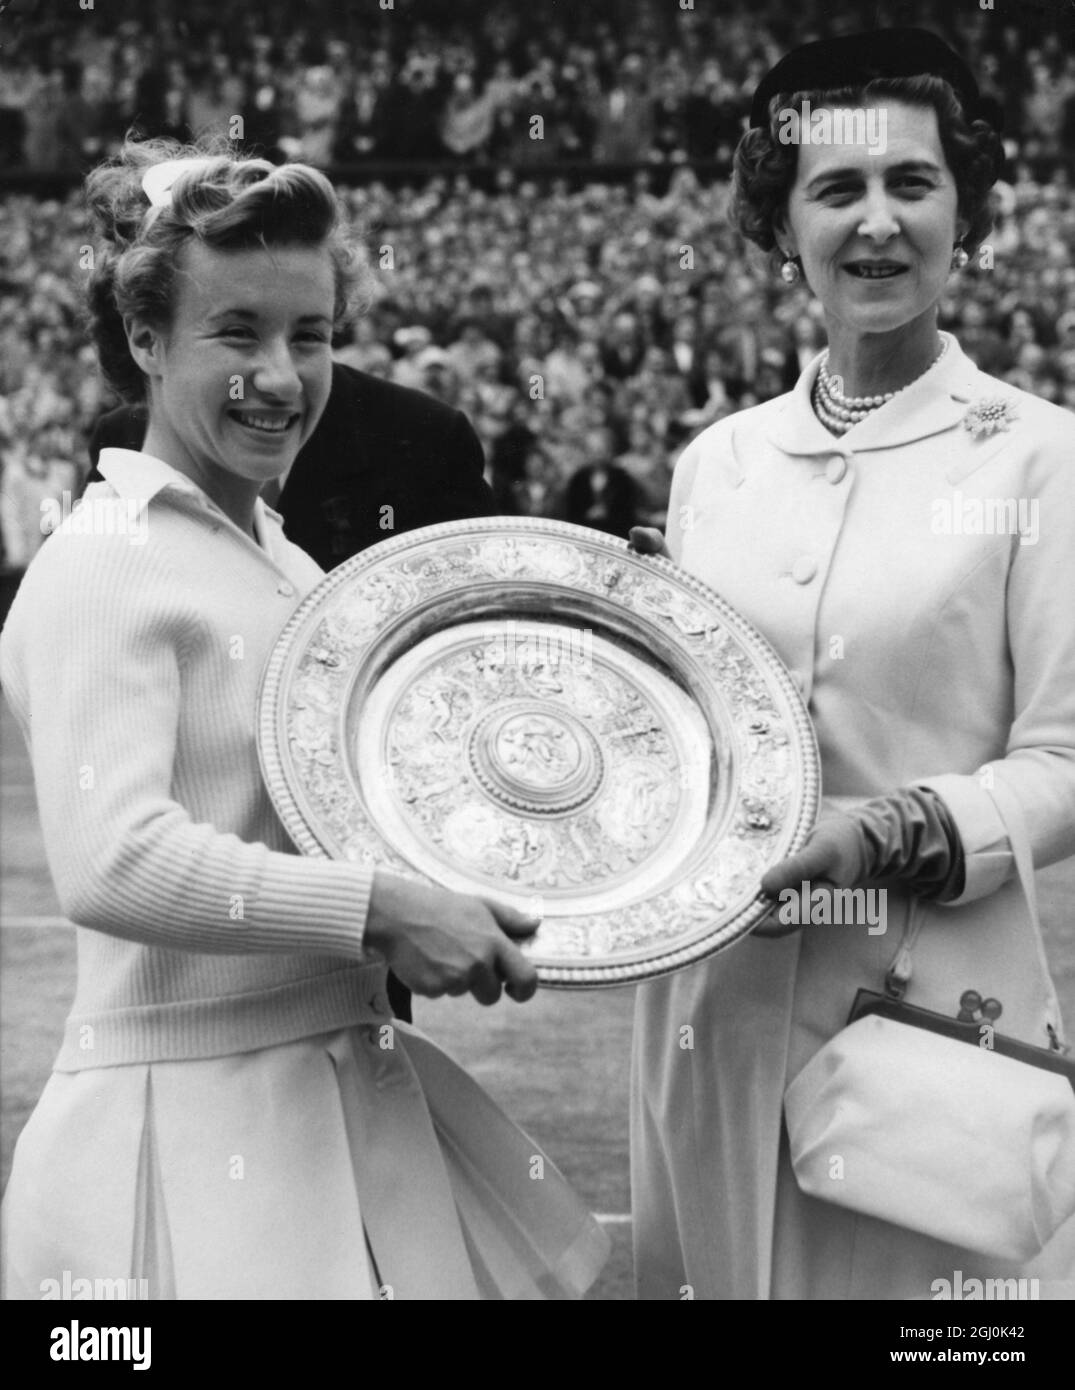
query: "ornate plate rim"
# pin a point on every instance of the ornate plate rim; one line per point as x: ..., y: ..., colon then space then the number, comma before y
x: 664, y: 960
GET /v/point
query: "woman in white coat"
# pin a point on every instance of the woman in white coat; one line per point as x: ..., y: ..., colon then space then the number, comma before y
x: 902, y: 528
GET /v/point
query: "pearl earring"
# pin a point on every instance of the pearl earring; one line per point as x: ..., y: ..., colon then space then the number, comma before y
x: 960, y: 259
x: 790, y: 272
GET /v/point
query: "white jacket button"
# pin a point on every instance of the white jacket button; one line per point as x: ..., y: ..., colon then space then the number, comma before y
x: 836, y: 469
x: 804, y: 569
x: 285, y: 590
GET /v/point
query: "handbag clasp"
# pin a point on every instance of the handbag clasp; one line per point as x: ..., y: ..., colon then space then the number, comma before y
x: 974, y: 1009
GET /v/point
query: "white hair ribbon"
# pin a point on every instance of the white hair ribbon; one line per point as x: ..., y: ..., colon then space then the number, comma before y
x: 158, y: 179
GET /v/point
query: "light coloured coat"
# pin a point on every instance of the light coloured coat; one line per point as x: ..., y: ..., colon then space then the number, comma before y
x: 933, y: 646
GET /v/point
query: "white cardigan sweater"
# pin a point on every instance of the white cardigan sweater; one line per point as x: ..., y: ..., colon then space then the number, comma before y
x: 131, y: 658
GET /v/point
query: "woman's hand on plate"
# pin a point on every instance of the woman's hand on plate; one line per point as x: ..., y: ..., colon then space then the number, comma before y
x: 834, y: 856
x: 835, y: 853
x: 647, y: 540
x: 908, y: 838
x: 439, y: 942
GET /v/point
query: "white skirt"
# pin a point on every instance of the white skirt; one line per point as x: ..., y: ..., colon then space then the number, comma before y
x: 335, y: 1167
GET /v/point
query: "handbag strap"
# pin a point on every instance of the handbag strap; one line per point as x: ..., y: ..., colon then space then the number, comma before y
x: 1011, y: 817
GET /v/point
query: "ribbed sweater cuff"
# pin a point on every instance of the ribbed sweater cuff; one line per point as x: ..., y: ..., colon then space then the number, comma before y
x: 318, y: 904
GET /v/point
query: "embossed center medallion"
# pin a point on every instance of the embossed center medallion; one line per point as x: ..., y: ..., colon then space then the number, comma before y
x: 534, y: 758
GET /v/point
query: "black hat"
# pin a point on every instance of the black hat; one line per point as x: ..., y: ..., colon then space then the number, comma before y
x: 854, y: 59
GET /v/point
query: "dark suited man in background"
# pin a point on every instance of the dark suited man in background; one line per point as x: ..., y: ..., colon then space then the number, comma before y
x: 382, y: 460
x: 601, y: 494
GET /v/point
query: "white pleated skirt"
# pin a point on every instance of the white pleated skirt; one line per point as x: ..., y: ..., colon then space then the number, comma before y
x: 359, y: 1164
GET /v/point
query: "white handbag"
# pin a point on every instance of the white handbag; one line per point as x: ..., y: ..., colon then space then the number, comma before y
x: 944, y: 1127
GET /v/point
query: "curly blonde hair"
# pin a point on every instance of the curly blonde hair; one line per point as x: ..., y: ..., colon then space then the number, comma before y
x: 225, y: 202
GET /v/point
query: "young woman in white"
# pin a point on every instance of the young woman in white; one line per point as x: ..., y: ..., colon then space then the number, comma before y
x: 233, y: 1112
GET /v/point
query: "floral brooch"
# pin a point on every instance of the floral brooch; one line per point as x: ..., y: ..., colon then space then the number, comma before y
x: 990, y: 413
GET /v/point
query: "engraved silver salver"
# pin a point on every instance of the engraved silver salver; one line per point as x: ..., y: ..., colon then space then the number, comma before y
x: 529, y: 711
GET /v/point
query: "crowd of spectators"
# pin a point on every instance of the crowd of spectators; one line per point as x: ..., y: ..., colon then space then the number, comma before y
x: 521, y: 83
x: 588, y: 325
x: 588, y: 333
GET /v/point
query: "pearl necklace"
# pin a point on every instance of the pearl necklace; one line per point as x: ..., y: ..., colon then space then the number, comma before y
x: 838, y: 412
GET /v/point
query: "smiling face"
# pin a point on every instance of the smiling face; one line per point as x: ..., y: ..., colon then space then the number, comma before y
x: 239, y: 379
x: 875, y: 231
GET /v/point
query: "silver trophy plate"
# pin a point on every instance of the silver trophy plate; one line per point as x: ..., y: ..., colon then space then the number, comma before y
x: 531, y: 712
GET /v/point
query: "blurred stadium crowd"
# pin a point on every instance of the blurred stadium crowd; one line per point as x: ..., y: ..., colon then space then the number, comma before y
x: 442, y: 79
x: 588, y: 325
